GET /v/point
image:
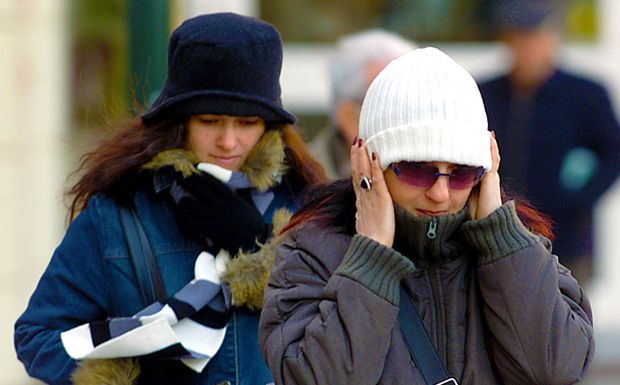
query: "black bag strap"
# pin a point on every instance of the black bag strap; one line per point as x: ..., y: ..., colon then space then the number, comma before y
x: 420, y: 346
x: 142, y: 258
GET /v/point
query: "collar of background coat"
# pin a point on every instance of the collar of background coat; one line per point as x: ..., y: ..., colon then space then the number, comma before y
x: 264, y: 165
x: 411, y: 238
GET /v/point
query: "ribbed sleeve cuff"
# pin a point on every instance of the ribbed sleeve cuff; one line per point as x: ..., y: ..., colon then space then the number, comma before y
x: 376, y: 266
x: 499, y: 234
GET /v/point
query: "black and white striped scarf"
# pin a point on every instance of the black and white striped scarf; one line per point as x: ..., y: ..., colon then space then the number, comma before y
x: 189, y: 326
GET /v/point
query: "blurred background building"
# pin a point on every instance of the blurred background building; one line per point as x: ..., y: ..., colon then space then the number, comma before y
x: 69, y: 68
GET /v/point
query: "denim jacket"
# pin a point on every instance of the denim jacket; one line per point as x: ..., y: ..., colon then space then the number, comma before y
x: 90, y: 277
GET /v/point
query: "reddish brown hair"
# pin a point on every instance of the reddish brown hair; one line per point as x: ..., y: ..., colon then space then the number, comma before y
x: 334, y: 203
x: 304, y: 170
x: 118, y: 160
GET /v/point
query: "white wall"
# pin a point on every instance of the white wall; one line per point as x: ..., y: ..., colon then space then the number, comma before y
x: 33, y: 114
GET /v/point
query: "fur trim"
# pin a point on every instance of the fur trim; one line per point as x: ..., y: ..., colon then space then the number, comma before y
x: 247, y: 274
x: 122, y: 371
x: 264, y: 165
x: 182, y: 160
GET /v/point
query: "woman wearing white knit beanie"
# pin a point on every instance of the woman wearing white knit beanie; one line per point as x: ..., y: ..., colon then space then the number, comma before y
x: 418, y: 270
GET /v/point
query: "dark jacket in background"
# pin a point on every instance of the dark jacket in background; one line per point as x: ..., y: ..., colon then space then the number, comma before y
x: 499, y: 307
x: 541, y: 138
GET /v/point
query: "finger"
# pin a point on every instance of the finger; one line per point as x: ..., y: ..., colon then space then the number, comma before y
x: 360, y: 164
x: 354, y: 166
x: 473, y: 203
x: 355, y: 159
x: 378, y: 181
x: 495, y: 157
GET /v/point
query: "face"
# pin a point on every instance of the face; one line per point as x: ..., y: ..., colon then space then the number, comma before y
x: 438, y: 199
x: 533, y: 52
x: 222, y: 139
x: 348, y: 111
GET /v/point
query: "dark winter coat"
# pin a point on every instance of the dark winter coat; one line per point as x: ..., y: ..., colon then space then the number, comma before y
x: 498, y: 306
x: 90, y: 277
x: 538, y: 135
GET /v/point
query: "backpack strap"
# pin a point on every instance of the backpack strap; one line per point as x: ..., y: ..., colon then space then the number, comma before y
x: 146, y: 269
x: 420, y: 346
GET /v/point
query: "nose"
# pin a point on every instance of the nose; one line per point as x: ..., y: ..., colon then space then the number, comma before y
x: 227, y: 138
x: 439, y: 191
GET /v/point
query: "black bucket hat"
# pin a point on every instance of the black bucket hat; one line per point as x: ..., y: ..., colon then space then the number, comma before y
x: 222, y: 63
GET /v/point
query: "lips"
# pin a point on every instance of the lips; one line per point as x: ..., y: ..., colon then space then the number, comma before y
x: 225, y: 160
x: 431, y: 213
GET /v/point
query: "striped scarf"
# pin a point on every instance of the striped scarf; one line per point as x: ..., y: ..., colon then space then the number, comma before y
x: 189, y: 326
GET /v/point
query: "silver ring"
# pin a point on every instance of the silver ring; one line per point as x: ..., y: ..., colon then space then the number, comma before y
x: 366, y: 183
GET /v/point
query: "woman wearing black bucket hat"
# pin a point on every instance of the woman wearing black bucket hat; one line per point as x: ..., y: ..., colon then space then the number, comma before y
x: 159, y: 278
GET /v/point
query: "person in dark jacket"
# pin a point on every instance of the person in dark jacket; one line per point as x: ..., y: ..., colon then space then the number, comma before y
x: 557, y: 131
x: 210, y: 170
x: 422, y: 213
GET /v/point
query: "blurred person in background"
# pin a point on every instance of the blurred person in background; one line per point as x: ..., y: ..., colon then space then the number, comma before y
x: 358, y: 58
x: 422, y: 228
x: 208, y: 172
x: 558, y: 134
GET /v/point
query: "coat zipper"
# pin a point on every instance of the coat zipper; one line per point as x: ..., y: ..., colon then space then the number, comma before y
x: 432, y: 229
x: 431, y: 234
x: 439, y: 315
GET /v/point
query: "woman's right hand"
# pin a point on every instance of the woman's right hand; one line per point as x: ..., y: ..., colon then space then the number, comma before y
x: 375, y: 209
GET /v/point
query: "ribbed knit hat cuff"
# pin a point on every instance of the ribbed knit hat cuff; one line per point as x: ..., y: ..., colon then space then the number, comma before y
x: 432, y: 143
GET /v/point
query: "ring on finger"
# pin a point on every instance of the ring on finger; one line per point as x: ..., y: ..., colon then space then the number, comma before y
x: 365, y: 183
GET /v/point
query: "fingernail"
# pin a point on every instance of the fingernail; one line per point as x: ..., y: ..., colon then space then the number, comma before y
x: 493, y: 133
x: 374, y: 156
x: 359, y: 142
x: 354, y: 140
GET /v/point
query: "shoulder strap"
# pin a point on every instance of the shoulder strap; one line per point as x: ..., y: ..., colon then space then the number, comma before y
x: 420, y: 346
x: 145, y: 267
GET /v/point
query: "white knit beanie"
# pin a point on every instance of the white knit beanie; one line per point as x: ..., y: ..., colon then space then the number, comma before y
x: 424, y: 106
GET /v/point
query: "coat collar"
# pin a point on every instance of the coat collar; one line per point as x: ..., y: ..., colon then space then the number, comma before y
x: 428, y: 240
x: 264, y: 166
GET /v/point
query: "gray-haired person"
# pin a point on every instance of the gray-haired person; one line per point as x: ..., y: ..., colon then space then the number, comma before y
x: 358, y: 58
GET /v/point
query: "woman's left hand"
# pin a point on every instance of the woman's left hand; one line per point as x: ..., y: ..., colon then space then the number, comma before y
x: 488, y: 198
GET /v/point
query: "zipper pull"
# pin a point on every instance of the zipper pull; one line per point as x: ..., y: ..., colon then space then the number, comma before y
x: 432, y: 229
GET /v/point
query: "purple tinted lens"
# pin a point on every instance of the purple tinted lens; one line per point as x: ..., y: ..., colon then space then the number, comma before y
x: 417, y: 174
x: 463, y: 177
x: 425, y: 175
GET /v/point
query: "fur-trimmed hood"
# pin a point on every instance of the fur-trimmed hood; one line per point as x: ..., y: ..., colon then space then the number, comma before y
x: 247, y: 273
x: 264, y: 166
x: 247, y: 277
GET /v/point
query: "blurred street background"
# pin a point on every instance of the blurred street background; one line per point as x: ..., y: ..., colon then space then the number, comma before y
x: 69, y: 68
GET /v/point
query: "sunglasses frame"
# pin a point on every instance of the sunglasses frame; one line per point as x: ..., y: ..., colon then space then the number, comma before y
x: 479, y: 172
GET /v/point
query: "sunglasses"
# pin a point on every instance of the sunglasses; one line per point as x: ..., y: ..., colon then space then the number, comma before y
x: 421, y: 174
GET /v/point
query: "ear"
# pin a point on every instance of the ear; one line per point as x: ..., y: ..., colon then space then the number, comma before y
x: 347, y: 119
x: 472, y: 202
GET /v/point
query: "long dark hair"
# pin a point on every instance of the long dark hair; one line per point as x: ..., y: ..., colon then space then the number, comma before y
x: 118, y: 160
x: 334, y: 204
